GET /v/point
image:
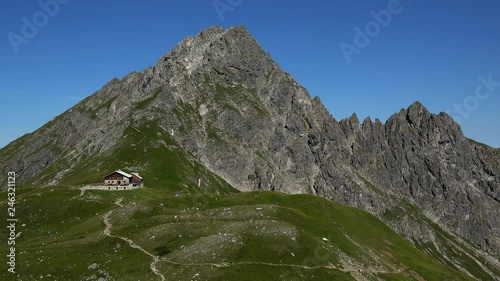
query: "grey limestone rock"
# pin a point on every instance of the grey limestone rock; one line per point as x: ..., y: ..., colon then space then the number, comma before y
x: 224, y: 99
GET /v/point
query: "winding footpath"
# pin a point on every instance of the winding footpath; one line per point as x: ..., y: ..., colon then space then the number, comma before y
x: 222, y: 265
x: 156, y: 259
x: 132, y: 244
x: 328, y: 267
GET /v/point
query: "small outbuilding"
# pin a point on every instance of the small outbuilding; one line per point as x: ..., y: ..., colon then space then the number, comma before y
x: 136, y: 179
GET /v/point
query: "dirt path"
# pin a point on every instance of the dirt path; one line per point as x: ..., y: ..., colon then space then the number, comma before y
x: 156, y: 259
x: 132, y: 244
x: 328, y: 267
x: 222, y: 265
x: 82, y: 191
x: 119, y: 202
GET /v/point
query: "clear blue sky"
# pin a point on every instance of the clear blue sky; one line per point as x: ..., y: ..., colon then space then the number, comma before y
x: 431, y: 51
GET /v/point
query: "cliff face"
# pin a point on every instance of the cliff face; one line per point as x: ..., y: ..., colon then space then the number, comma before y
x: 426, y: 158
x: 225, y: 101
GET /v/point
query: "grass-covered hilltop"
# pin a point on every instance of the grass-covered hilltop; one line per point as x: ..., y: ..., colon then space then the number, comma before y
x: 70, y: 235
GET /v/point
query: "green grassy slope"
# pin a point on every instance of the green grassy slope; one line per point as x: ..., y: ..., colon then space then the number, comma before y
x: 147, y: 149
x: 212, y: 234
x: 239, y: 236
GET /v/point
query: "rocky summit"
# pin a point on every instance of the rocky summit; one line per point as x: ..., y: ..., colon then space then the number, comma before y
x: 221, y: 98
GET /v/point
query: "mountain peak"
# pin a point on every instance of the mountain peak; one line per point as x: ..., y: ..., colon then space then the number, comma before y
x: 233, y: 54
x: 211, y: 31
x: 417, y: 106
x: 416, y: 113
x: 219, y: 30
x: 221, y: 98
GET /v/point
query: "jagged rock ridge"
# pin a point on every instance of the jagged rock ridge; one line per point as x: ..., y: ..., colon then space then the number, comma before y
x: 225, y: 101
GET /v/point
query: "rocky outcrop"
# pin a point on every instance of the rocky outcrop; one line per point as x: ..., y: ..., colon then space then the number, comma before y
x: 230, y: 105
